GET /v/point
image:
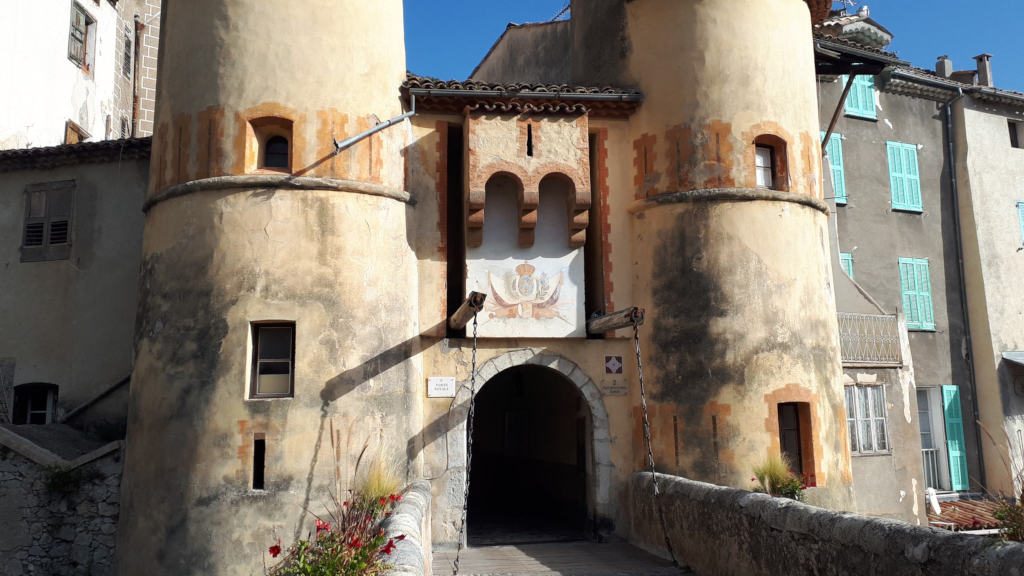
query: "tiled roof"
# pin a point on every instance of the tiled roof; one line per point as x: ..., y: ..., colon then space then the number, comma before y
x: 966, y: 515
x: 457, y: 96
x: 903, y: 80
x: 844, y: 43
x: 67, y: 154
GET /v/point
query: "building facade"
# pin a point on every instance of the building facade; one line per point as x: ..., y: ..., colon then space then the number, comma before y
x: 85, y: 70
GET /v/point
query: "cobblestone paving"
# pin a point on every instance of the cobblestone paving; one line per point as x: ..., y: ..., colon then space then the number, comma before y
x: 556, y: 559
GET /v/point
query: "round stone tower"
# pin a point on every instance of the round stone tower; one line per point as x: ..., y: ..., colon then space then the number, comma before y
x: 731, y: 249
x: 277, y: 301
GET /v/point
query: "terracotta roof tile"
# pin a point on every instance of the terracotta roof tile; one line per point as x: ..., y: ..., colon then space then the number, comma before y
x: 67, y: 154
x: 967, y: 514
x: 564, y: 90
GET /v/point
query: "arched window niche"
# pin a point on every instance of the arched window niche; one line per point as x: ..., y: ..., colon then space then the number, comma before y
x: 771, y: 165
x: 269, y: 145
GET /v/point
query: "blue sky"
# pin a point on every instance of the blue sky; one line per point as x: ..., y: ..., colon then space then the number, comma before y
x: 447, y: 38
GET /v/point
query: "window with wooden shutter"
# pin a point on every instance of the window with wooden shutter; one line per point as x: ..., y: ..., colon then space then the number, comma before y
x: 79, y: 41
x: 846, y: 261
x: 860, y: 102
x: 834, y: 150
x: 955, y: 445
x: 904, y: 177
x: 48, y: 218
x: 916, y: 289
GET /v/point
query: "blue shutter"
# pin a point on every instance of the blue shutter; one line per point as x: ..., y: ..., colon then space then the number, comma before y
x: 955, y: 438
x: 834, y: 148
x: 861, y: 100
x: 904, y: 177
x: 846, y: 261
x: 916, y: 293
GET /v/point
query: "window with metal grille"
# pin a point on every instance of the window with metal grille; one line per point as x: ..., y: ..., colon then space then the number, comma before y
x: 273, y: 360
x: 865, y: 419
x: 82, y: 25
x: 48, y: 212
x: 126, y: 58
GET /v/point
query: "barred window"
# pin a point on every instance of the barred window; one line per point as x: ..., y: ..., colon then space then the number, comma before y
x: 126, y: 58
x: 865, y: 418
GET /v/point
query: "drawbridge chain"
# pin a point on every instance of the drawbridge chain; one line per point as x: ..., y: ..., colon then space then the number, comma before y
x: 469, y: 309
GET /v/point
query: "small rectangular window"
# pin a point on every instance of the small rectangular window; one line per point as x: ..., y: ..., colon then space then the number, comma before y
x: 865, y: 417
x: 916, y: 290
x: 834, y: 150
x: 126, y: 56
x: 860, y: 103
x: 904, y: 177
x: 273, y: 360
x: 47, y: 231
x: 259, y: 461
x: 1015, y: 133
x: 846, y: 261
x: 764, y: 165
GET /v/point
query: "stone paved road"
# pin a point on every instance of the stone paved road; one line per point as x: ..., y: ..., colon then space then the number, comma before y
x: 557, y: 559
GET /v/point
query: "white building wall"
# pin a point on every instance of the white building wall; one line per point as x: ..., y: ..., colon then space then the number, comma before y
x: 44, y: 88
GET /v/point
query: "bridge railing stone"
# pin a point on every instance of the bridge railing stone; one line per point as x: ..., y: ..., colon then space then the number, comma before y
x: 411, y: 519
x: 726, y: 531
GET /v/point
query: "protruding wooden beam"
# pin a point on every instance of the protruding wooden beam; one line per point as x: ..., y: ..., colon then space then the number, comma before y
x: 474, y: 303
x: 621, y: 319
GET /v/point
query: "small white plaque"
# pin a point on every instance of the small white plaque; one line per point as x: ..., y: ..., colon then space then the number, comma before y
x: 441, y: 387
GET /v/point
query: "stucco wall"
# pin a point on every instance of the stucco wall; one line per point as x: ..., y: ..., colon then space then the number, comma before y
x: 725, y: 532
x: 62, y: 525
x: 878, y: 236
x: 70, y: 322
x: 991, y: 178
x: 529, y: 53
x: 45, y: 88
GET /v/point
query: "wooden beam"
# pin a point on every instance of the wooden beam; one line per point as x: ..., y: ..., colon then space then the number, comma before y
x: 621, y: 319
x: 474, y: 303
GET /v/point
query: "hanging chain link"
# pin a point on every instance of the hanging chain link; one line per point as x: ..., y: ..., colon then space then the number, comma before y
x: 469, y: 451
x: 650, y: 449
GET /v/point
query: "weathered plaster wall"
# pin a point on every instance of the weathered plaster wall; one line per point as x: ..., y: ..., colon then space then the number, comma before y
x: 725, y: 531
x: 69, y: 322
x: 62, y: 533
x: 991, y: 180
x: 46, y: 88
x: 529, y: 53
x: 878, y: 236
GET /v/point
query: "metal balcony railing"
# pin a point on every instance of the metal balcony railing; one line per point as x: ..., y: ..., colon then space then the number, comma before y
x: 930, y: 461
x: 870, y: 339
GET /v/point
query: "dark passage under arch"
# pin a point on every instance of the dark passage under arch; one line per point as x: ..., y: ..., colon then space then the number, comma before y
x: 530, y: 459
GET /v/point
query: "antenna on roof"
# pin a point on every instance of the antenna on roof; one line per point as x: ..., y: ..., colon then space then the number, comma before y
x: 561, y: 12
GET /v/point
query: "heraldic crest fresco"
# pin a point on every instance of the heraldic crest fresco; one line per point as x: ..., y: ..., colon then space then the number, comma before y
x: 537, y: 296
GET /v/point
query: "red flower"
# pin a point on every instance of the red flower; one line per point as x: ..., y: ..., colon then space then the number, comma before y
x: 389, y: 547
x: 275, y: 550
x: 382, y: 501
x: 355, y: 542
x: 345, y: 503
x: 322, y: 526
x: 400, y: 537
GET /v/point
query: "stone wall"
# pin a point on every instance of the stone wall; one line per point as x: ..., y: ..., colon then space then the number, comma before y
x: 725, y: 531
x: 411, y: 519
x: 58, y: 523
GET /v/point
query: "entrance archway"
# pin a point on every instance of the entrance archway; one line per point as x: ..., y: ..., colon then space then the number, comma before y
x: 531, y: 459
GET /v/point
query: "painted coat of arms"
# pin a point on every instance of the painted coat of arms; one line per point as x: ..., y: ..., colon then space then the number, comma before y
x: 527, y: 293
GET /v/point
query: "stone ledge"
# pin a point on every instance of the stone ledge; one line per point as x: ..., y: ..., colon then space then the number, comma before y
x: 412, y: 555
x: 729, y: 195
x: 276, y: 181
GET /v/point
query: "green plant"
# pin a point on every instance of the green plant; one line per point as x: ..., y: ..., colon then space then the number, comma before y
x: 1011, y: 511
x: 773, y: 476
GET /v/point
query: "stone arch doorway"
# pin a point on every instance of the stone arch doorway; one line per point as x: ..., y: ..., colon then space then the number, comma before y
x: 541, y: 452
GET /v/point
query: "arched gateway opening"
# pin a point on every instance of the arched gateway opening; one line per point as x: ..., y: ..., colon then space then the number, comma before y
x: 532, y: 453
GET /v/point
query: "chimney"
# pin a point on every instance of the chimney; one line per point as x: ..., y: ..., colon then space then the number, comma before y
x: 944, y: 66
x: 984, y: 69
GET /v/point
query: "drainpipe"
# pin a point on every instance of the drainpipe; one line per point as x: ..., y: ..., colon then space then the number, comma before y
x: 139, y: 27
x: 349, y: 142
x: 951, y: 144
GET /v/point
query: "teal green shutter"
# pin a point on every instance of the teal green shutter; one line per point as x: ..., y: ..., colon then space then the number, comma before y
x: 834, y: 148
x: 846, y: 261
x: 955, y: 438
x: 904, y: 177
x: 861, y: 100
x: 916, y: 293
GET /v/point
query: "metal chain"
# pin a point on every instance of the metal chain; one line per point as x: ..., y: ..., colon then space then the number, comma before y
x: 650, y: 449
x: 469, y: 450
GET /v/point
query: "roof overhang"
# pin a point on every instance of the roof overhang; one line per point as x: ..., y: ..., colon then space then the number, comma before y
x: 834, y: 57
x: 1016, y: 358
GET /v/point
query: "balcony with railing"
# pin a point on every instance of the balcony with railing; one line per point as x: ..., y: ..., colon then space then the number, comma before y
x: 930, y: 461
x: 870, y: 340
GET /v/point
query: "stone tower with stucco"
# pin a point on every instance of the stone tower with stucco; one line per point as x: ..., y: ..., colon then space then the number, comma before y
x: 295, y: 294
x: 258, y: 236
